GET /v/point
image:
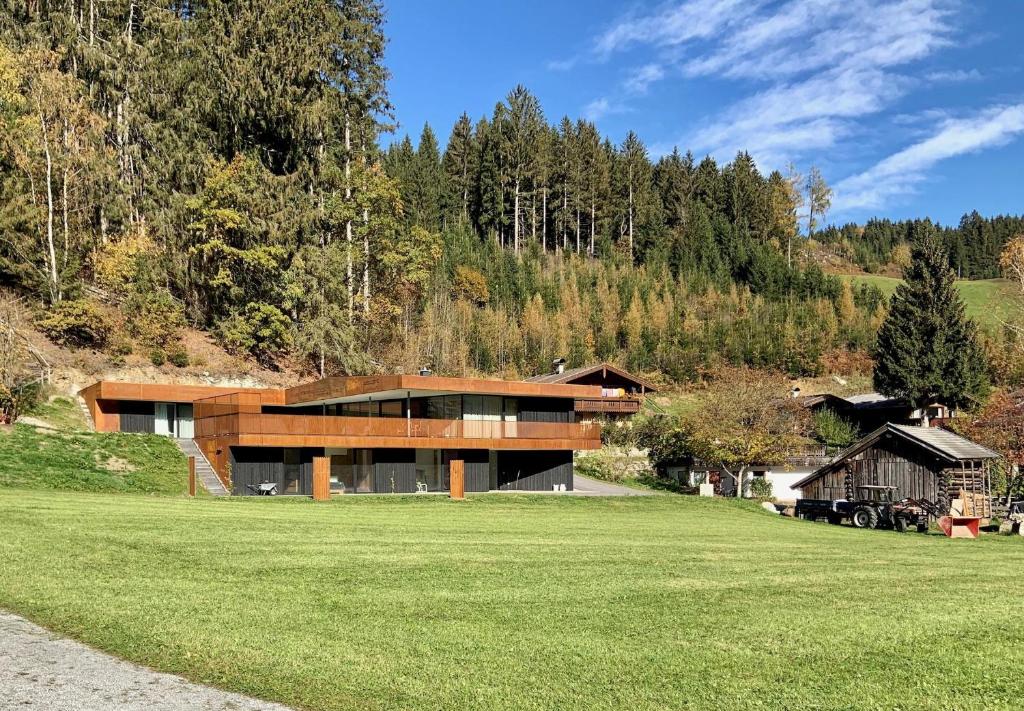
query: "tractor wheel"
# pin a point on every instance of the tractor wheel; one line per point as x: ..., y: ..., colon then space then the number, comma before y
x: 922, y: 528
x: 899, y: 524
x: 835, y: 519
x: 864, y: 517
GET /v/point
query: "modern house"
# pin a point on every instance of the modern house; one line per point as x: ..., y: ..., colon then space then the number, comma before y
x: 921, y: 462
x: 382, y: 434
x: 621, y: 393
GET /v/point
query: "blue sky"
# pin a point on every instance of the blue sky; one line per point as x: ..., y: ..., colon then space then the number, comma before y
x: 910, y: 108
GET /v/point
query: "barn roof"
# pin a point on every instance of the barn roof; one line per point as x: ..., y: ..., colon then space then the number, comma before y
x: 939, y: 442
x: 568, y: 376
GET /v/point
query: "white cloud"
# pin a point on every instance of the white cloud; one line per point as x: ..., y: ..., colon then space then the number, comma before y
x: 640, y: 80
x: 954, y: 75
x: 601, y: 107
x: 900, y: 173
x: 674, y: 24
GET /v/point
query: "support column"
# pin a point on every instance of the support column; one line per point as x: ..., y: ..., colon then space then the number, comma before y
x: 457, y: 479
x: 321, y: 478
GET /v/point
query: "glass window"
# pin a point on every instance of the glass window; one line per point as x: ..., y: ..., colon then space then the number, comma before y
x: 392, y: 408
x: 430, y: 471
x: 292, y: 468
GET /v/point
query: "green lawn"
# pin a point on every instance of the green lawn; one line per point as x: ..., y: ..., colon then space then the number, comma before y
x: 989, y: 301
x: 522, y: 602
x: 38, y: 458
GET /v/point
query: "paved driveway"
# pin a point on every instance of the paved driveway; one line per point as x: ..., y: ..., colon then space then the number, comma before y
x: 39, y: 670
x: 586, y: 486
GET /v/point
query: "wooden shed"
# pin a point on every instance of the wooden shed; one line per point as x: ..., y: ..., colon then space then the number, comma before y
x: 921, y: 462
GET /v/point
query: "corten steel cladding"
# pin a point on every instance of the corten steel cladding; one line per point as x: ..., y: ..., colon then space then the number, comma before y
x: 457, y: 486
x: 321, y: 478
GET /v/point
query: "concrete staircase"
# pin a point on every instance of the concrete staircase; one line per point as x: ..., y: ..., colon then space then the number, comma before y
x: 85, y: 413
x: 204, y: 472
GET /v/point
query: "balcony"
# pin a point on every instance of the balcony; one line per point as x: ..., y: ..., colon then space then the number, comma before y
x: 318, y: 430
x: 608, y: 405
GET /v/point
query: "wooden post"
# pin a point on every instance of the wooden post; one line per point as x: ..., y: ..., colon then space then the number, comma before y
x: 321, y: 479
x: 457, y: 487
x: 191, y: 476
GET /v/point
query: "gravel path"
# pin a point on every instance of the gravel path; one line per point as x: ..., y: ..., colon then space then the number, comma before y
x: 592, y: 487
x: 39, y: 670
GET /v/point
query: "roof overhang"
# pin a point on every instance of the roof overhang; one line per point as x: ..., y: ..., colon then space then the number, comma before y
x: 360, y: 388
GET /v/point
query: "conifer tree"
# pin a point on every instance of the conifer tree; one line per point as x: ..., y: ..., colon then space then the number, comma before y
x: 927, y: 348
x: 458, y: 166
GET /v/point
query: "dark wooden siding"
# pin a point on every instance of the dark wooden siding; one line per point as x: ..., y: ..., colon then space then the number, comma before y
x: 546, y: 409
x: 137, y: 416
x: 889, y: 462
x: 534, y: 471
x: 255, y: 465
x: 394, y: 471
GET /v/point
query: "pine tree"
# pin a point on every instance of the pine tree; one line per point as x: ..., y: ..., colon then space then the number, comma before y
x: 458, y: 165
x: 927, y: 348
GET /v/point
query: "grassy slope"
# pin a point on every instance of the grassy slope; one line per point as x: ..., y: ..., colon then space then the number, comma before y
x: 987, y: 300
x: 35, y: 458
x: 514, y: 602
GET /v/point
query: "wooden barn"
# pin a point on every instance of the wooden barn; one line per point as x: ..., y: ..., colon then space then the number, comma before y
x: 921, y: 462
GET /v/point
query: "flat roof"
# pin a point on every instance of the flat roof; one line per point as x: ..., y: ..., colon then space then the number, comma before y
x: 340, y: 389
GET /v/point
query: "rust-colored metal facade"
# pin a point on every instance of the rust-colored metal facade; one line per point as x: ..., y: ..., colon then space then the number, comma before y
x: 230, y: 421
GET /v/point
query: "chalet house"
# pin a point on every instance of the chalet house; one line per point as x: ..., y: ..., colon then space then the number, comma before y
x: 921, y: 462
x: 382, y: 434
x: 621, y: 393
x: 869, y: 411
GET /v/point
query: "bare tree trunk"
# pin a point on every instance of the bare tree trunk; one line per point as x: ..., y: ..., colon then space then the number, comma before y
x: 565, y: 216
x: 366, y: 261
x: 515, y: 219
x: 533, y: 217
x: 593, y: 213
x: 631, y: 213
x: 577, y: 229
x: 544, y: 222
x: 51, y: 256
x: 348, y: 223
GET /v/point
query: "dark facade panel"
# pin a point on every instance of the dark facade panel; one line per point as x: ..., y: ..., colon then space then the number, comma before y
x: 394, y: 471
x: 546, y: 409
x: 534, y: 471
x: 290, y: 468
x: 137, y: 416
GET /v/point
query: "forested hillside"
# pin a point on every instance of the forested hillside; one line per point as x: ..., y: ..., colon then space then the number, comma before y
x: 218, y: 164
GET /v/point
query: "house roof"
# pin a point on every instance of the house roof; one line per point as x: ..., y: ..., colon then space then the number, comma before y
x: 939, y: 442
x: 568, y: 376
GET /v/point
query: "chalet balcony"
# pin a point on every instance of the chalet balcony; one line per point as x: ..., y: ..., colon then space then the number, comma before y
x: 608, y: 405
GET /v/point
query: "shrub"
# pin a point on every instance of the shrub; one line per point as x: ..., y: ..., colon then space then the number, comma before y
x: 260, y: 330
x: 76, y: 322
x: 121, y: 347
x: 832, y: 430
x: 17, y: 399
x: 157, y: 356
x: 761, y: 489
x: 119, y: 264
x: 154, y: 317
x: 595, y: 467
x: 178, y: 357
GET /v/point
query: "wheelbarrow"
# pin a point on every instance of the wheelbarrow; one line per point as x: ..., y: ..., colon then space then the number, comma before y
x: 266, y: 488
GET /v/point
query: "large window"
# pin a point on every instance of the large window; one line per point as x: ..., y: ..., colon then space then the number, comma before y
x: 431, y: 473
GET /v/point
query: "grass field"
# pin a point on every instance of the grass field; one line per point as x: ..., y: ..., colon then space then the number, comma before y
x: 522, y: 602
x: 38, y: 458
x: 989, y: 301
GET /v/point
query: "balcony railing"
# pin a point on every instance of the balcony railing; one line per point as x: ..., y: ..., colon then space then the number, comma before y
x: 227, y: 423
x: 624, y: 405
